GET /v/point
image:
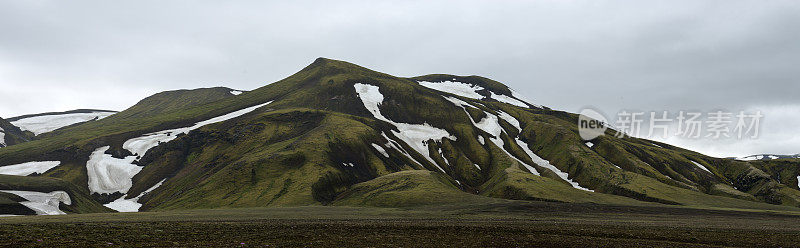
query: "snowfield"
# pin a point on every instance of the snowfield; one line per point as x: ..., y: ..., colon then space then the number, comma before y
x: 415, y: 135
x: 47, y: 123
x: 25, y: 169
x: 2, y: 137
x: 43, y: 203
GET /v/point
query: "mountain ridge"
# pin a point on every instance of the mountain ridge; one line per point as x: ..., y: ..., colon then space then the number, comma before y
x: 337, y: 133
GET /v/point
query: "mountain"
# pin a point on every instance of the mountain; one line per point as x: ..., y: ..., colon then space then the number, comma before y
x: 336, y: 133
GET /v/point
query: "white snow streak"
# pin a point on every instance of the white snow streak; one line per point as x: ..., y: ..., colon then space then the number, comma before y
x: 589, y: 144
x: 546, y: 164
x: 25, y: 169
x: 43, y: 203
x: 380, y: 149
x: 414, y: 135
x: 701, y: 166
x: 510, y: 119
x: 236, y: 92
x: 455, y: 88
x: 393, y: 144
x: 46, y: 123
x: 509, y: 100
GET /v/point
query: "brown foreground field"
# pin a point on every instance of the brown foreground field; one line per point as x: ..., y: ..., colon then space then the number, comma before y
x: 515, y: 224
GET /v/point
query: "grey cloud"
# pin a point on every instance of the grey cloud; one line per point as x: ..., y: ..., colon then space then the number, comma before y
x: 646, y: 55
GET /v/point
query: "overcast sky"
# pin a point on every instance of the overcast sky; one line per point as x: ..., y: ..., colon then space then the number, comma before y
x: 610, y: 55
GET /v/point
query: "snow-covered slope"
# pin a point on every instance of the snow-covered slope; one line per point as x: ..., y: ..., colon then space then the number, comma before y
x: 40, y: 124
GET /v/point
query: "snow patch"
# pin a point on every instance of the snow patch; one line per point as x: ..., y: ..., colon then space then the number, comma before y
x: 510, y: 119
x: 509, y: 100
x: 546, y: 164
x: 701, y: 166
x: 108, y: 174
x: 380, y: 149
x: 589, y: 144
x: 43, y: 203
x: 415, y: 135
x: 47, y: 123
x: 393, y: 144
x: 25, y: 169
x: 443, y: 157
x: 131, y: 205
x: 481, y: 140
x: 455, y: 88
x: 2, y: 138
x: 236, y: 92
x: 490, y: 125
